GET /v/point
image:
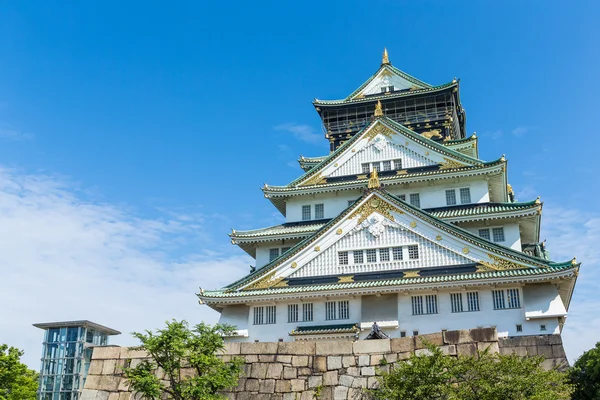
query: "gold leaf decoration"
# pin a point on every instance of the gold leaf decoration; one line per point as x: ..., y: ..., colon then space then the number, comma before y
x: 375, y: 205
x: 339, y: 231
x: 413, y: 224
x: 379, y: 129
x: 294, y: 264
x: 438, y: 237
x: 346, y: 279
x: 450, y: 164
x: 317, y: 248
x: 265, y: 282
x: 465, y: 250
x: 499, y: 264
x: 314, y: 180
x: 411, y: 274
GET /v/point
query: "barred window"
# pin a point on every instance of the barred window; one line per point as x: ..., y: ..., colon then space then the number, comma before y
x: 456, y: 302
x: 397, y: 253
x: 384, y: 254
x: 413, y: 252
x: 358, y: 256
x: 284, y: 249
x: 376, y: 166
x: 398, y: 164
x: 344, y: 309
x: 259, y: 314
x: 450, y: 197
x: 484, y: 234
x: 473, y: 301
x: 343, y: 257
x: 270, y: 314
x: 498, y: 297
x: 306, y: 213
x: 371, y: 255
x: 366, y: 168
x: 292, y: 312
x: 387, y: 165
x: 465, y: 195
x: 307, y: 312
x: 330, y: 310
x: 273, y: 254
x: 415, y: 199
x: 431, y: 301
x: 402, y: 197
x: 498, y: 234
x: 417, y: 305
x: 513, y: 298
x: 319, y: 211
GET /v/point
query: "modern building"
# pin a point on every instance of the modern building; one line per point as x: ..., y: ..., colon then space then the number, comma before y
x: 401, y: 224
x: 66, y: 355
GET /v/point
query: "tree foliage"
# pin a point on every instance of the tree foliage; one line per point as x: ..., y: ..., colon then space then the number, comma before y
x: 188, y: 359
x: 585, y: 375
x: 17, y: 382
x: 486, y: 376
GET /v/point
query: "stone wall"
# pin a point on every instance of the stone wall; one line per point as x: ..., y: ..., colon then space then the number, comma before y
x: 329, y: 369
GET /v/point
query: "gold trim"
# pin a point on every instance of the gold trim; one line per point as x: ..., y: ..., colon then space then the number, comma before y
x: 265, y: 282
x: 465, y: 250
x: 413, y: 224
x: 438, y: 237
x: 450, y: 164
x: 378, y: 109
x: 339, y: 231
x: 499, y: 264
x: 361, y: 177
x: 294, y: 264
x: 374, y: 180
x: 375, y: 205
x: 317, y: 248
x: 346, y: 279
x: 314, y: 180
x: 411, y: 274
x: 402, y: 172
x: 385, y: 59
x: 379, y: 129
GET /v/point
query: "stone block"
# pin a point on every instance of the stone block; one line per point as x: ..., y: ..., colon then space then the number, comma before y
x: 92, y: 382
x: 300, y: 361
x: 123, y: 385
x: 435, y: 339
x: 307, y: 395
x: 334, y: 362
x: 340, y: 393
x: 364, y: 360
x: 401, y: 345
x: 251, y: 358
x: 558, y: 351
x: 372, y: 382
x: 252, y: 385
x: 231, y: 348
x: 314, y: 381
x: 492, y: 347
x: 300, y: 348
x: 108, y: 383
x: 108, y: 367
x: 391, y: 357
x: 359, y: 382
x: 282, y: 386
x: 404, y: 356
x: 466, y: 349
x: 284, y: 359
x: 378, y: 359
x: 274, y: 370
x: 267, y: 386
x: 298, y: 385
x: 423, y: 352
x: 106, y: 352
x: 259, y: 370
x: 545, y: 351
x: 88, y: 394
x: 266, y: 358
x: 102, y: 395
x: 356, y: 394
x: 367, y: 371
x: 554, y: 339
x: 127, y: 352
x: 124, y: 395
x: 304, y: 371
x: 186, y: 373
x: 246, y: 368
x: 484, y: 335
x: 291, y: 396
x: 457, y: 337
x: 330, y: 378
x: 96, y: 367
x: 241, y: 386
x: 348, y: 361
x: 372, y: 346
x: 258, y: 348
x: 290, y: 373
x: 353, y: 371
x: 320, y: 363
x: 346, y: 380
x: 326, y: 348
x: 113, y: 396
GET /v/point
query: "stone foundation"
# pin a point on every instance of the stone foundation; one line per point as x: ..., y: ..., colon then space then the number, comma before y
x: 327, y: 369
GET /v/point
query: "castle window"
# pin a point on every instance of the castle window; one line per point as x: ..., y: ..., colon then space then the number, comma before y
x: 343, y: 257
x: 450, y: 197
x: 415, y: 199
x: 344, y: 309
x: 284, y: 249
x: 391, y: 88
x: 473, y: 301
x: 292, y: 312
x: 514, y: 300
x: 387, y: 165
x: 259, y: 315
x: 330, y: 313
x: 398, y: 164
x: 498, y: 234
x: 384, y: 254
x: 519, y: 328
x: 371, y: 255
x: 319, y: 211
x: 456, y: 302
x: 307, y: 312
x: 402, y: 333
x: 358, y: 256
x: 413, y: 252
x: 402, y: 197
x: 484, y: 234
x: 397, y: 253
x: 376, y: 166
x: 366, y: 168
x: 273, y: 254
x: 498, y: 297
x: 417, y: 305
x: 306, y: 215
x: 431, y: 303
x: 465, y: 196
x: 270, y: 314
x: 415, y: 333
x: 542, y: 327
x: 337, y: 310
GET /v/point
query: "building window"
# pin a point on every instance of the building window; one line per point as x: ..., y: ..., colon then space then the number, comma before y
x: 484, y: 234
x: 415, y: 333
x: 465, y: 195
x: 498, y: 234
x: 473, y: 301
x: 384, y: 254
x: 397, y: 253
x: 431, y: 302
x: 358, y: 256
x: 337, y: 310
x: 402, y: 197
x: 273, y: 254
x: 500, y: 302
x: 415, y: 199
x: 285, y: 249
x: 343, y: 257
x: 519, y: 328
x: 344, y: 309
x: 543, y: 328
x: 270, y: 312
x: 513, y: 298
x: 330, y: 310
x: 387, y: 165
x: 498, y: 297
x: 413, y: 252
x: 417, y: 305
x: 402, y: 333
x: 397, y: 164
x: 366, y: 168
x: 456, y: 302
x: 371, y: 255
x: 450, y: 197
x: 307, y: 312
x: 259, y: 315
x: 292, y: 312
x: 376, y: 166
x: 306, y: 213
x: 390, y: 88
x: 319, y: 211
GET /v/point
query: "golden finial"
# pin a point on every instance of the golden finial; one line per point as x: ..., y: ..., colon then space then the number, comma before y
x: 503, y: 158
x: 374, y: 180
x: 574, y: 261
x: 509, y: 188
x: 385, y: 59
x: 378, y: 109
x: 537, y: 201
x: 474, y: 136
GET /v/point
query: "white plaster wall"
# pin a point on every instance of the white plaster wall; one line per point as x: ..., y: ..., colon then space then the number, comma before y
x: 512, y: 234
x: 335, y: 203
x: 262, y: 250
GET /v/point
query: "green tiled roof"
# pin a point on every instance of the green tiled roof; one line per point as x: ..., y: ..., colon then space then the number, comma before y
x: 283, y: 229
x: 323, y: 329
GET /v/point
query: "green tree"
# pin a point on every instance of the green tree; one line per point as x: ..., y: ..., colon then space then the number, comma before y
x: 17, y: 382
x: 585, y: 375
x: 485, y: 376
x: 188, y: 359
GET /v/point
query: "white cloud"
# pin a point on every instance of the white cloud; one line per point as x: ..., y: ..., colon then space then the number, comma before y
x: 306, y: 133
x: 494, y: 134
x: 67, y: 257
x: 520, y: 130
x: 14, y: 135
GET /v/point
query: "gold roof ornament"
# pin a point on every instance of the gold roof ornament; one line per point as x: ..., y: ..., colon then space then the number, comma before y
x: 537, y: 201
x: 374, y: 180
x: 385, y: 60
x: 378, y: 109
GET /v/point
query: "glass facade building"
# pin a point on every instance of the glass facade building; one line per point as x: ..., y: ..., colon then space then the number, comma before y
x: 66, y: 355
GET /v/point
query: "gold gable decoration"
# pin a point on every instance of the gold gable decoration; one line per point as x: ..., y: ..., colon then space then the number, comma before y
x: 450, y: 164
x: 379, y: 129
x: 374, y: 205
x: 385, y: 59
x: 499, y: 264
x: 378, y: 109
x: 267, y: 282
x: 317, y: 179
x: 374, y: 180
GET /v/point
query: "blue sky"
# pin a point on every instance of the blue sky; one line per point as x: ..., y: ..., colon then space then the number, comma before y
x: 133, y: 137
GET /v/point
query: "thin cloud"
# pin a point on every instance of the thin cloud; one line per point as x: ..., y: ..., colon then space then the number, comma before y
x: 306, y: 133
x: 521, y: 130
x: 64, y: 257
x: 14, y: 135
x: 497, y: 134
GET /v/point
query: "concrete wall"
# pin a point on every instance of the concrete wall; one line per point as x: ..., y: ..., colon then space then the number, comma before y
x: 338, y: 369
